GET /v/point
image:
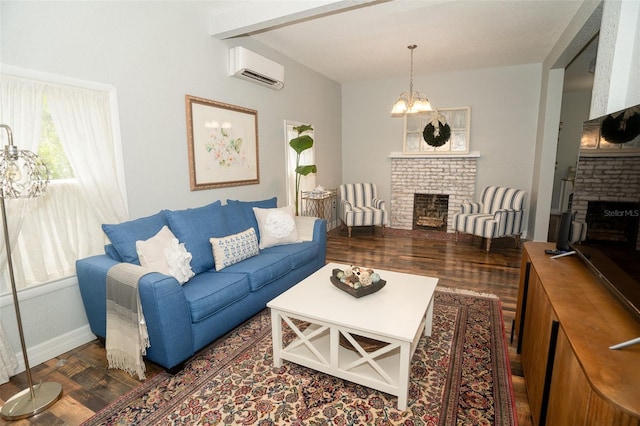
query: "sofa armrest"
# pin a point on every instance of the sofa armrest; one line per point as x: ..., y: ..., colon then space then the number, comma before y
x: 168, y: 319
x: 305, y: 226
x: 163, y: 304
x: 320, y: 237
x: 92, y: 281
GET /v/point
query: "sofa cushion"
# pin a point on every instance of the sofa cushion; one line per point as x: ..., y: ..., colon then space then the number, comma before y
x: 111, y: 251
x: 194, y: 227
x: 234, y: 218
x: 234, y: 248
x: 211, y: 291
x: 299, y: 254
x: 247, y: 210
x: 261, y: 270
x: 277, y: 226
x: 123, y: 236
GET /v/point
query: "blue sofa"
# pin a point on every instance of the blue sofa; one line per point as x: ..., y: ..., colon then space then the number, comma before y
x: 181, y: 319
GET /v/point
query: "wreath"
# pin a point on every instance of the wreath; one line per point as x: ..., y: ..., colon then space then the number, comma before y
x: 621, y: 129
x: 438, y: 138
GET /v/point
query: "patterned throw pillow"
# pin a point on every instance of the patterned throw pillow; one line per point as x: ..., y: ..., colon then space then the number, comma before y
x: 234, y: 248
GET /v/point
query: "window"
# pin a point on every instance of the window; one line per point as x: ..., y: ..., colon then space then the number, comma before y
x: 50, y: 149
x: 457, y: 119
x: 70, y: 128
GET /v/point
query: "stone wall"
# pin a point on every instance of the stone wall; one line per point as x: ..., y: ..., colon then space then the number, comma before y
x: 449, y: 175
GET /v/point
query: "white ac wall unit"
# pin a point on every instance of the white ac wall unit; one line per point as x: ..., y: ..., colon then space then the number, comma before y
x: 248, y: 65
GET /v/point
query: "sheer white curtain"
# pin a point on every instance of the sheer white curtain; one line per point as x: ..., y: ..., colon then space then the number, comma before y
x: 57, y: 232
x: 83, y: 121
x: 52, y: 231
x: 8, y: 361
x: 20, y: 109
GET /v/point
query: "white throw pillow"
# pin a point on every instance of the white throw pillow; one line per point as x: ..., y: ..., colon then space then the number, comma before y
x: 277, y: 226
x: 179, y: 260
x: 234, y: 248
x: 165, y: 254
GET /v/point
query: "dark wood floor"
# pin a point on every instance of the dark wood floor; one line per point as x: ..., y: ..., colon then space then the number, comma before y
x: 88, y: 385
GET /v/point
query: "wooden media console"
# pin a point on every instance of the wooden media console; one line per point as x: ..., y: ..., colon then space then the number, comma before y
x: 565, y: 322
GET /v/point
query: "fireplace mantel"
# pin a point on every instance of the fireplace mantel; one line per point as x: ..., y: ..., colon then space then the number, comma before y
x: 472, y: 154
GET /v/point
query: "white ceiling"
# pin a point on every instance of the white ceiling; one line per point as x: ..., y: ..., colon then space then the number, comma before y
x: 367, y: 40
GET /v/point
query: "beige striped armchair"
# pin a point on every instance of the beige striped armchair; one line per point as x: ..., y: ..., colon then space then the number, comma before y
x: 360, y: 206
x: 499, y: 213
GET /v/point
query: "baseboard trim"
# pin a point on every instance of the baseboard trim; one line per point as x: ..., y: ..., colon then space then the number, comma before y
x: 55, y: 347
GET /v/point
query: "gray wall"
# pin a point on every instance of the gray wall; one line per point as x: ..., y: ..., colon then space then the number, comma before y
x: 154, y: 54
x: 504, y: 106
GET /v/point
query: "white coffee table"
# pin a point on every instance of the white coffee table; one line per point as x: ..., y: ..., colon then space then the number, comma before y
x: 397, y: 315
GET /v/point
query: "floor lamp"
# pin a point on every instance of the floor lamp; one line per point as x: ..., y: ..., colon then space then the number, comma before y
x: 23, y: 175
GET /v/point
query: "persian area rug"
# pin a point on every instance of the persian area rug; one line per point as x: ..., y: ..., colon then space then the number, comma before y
x: 460, y: 375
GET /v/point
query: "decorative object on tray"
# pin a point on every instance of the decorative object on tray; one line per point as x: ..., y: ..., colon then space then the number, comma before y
x: 357, y: 281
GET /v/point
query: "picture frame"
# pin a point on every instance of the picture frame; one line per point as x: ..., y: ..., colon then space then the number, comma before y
x: 222, y: 141
x: 459, y: 120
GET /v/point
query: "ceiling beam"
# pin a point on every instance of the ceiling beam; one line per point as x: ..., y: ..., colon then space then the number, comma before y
x: 239, y: 20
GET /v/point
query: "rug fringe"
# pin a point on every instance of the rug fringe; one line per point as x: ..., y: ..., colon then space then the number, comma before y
x: 464, y: 291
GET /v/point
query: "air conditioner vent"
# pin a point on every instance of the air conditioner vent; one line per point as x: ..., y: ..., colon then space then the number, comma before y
x: 259, y: 77
x: 250, y: 66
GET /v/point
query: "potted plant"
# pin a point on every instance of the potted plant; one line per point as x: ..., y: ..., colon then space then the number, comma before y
x: 299, y: 144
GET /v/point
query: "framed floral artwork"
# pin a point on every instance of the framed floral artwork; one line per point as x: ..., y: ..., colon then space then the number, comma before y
x: 223, y: 144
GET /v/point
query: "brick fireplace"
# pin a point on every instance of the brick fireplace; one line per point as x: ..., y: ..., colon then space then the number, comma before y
x: 609, y: 219
x: 450, y: 175
x: 430, y: 211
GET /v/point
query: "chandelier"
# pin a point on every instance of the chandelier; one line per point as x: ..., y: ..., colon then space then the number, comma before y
x: 410, y: 102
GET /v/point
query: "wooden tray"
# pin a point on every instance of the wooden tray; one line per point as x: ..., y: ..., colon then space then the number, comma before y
x: 362, y: 291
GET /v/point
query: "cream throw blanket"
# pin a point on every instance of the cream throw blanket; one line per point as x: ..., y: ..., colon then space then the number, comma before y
x: 127, y: 339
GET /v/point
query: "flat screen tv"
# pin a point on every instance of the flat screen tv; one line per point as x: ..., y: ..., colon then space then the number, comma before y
x: 607, y: 197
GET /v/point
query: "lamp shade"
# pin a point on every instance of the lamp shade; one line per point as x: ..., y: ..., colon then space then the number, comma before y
x: 421, y: 104
x: 400, y: 107
x: 22, y: 173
